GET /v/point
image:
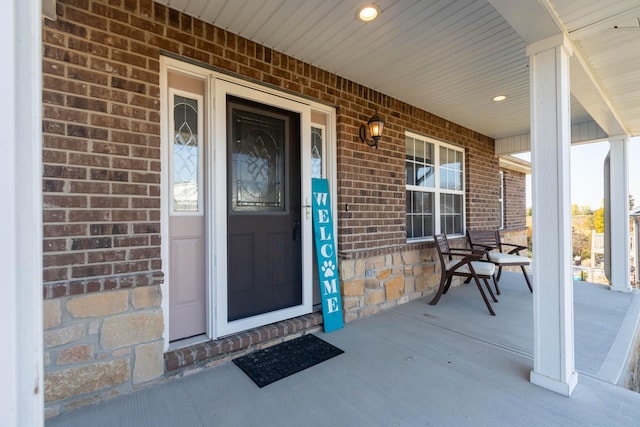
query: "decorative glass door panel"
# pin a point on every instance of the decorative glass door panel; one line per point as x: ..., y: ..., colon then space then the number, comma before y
x: 257, y: 163
x: 186, y: 159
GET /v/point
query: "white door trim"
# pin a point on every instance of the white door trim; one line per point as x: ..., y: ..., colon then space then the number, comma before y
x: 218, y: 85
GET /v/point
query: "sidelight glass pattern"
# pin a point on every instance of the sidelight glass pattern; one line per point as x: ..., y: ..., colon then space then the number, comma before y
x: 186, y: 155
x: 316, y: 152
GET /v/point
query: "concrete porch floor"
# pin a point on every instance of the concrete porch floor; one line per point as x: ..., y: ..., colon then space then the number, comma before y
x: 415, y: 364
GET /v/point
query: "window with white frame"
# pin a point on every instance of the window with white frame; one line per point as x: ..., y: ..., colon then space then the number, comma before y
x: 435, y: 187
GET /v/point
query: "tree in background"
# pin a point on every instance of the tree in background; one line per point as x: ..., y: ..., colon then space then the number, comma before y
x: 581, y: 243
x: 580, y: 210
x: 598, y: 220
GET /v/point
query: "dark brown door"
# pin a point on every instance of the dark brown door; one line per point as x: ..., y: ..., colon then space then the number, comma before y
x: 263, y: 209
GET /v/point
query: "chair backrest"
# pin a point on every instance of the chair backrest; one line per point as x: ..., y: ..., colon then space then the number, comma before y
x: 442, y: 244
x: 489, y: 238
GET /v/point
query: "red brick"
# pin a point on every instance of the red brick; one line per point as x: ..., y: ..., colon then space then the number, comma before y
x: 89, y: 159
x: 106, y: 256
x: 108, y: 202
x: 61, y: 85
x: 146, y: 253
x: 59, y: 201
x: 94, y: 270
x: 63, y: 230
x: 131, y: 267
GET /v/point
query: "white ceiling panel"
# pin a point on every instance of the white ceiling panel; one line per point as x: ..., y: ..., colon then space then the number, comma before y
x: 449, y: 57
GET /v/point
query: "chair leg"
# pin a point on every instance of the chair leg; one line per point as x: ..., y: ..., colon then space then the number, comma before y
x: 439, y: 293
x: 499, y: 273
x: 448, y: 285
x: 468, y: 279
x: 495, y: 283
x: 526, y: 277
x: 484, y: 297
x: 486, y: 284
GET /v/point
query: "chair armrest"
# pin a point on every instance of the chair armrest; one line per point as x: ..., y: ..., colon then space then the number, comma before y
x: 486, y: 248
x: 516, y: 248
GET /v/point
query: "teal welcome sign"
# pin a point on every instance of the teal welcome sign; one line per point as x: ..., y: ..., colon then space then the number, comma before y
x: 326, y: 255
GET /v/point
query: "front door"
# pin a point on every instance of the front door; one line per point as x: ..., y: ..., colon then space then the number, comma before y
x: 264, y: 233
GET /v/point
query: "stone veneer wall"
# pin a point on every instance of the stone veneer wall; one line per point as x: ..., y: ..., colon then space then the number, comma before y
x: 119, y: 331
x: 371, y: 284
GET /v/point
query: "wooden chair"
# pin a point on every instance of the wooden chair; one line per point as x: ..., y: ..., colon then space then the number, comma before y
x: 489, y: 240
x: 469, y: 266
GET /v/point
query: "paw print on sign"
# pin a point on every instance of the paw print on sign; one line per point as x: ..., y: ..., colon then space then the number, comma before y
x: 328, y: 269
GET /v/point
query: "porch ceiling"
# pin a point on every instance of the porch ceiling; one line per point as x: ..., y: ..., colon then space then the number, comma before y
x: 452, y: 57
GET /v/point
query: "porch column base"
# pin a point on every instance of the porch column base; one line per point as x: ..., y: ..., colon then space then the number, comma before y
x: 560, y: 387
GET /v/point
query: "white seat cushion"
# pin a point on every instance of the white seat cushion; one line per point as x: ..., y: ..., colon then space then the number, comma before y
x: 481, y: 268
x: 506, y: 259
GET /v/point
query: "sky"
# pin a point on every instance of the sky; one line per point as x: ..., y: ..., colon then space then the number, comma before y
x: 587, y: 181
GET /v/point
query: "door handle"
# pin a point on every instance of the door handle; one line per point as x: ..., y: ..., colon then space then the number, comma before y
x: 307, y: 208
x: 296, y: 230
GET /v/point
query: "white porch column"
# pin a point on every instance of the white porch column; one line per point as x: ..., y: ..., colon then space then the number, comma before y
x: 21, y: 215
x: 554, y: 366
x: 620, y: 279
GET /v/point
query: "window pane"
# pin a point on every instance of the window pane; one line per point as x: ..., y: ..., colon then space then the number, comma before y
x: 419, y: 163
x: 411, y: 178
x: 409, y: 202
x: 429, y: 226
x: 457, y: 183
x: 450, y: 169
x: 417, y: 226
x: 451, y: 213
x: 443, y: 156
x: 185, y: 154
x: 419, y: 214
x: 428, y: 153
x: 425, y: 176
x: 316, y: 152
x: 410, y: 148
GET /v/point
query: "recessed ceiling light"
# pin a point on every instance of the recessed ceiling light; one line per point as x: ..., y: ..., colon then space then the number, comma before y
x: 368, y: 13
x: 499, y: 98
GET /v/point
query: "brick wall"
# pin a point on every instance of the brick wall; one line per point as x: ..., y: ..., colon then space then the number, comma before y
x: 102, y: 142
x: 515, y: 204
x: 101, y: 185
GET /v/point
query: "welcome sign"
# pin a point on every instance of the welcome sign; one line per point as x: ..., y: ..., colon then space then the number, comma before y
x: 326, y: 256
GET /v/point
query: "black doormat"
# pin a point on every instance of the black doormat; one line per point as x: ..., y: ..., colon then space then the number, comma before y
x: 274, y: 363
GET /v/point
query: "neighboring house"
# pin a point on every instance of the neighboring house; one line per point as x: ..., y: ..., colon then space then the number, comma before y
x: 163, y: 172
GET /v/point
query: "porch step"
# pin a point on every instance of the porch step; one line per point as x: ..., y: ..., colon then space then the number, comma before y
x: 214, y: 352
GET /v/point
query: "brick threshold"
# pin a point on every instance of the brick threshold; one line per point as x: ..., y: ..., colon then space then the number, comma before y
x: 232, y: 346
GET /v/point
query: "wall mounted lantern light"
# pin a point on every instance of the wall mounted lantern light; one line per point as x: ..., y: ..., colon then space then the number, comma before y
x: 374, y: 125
